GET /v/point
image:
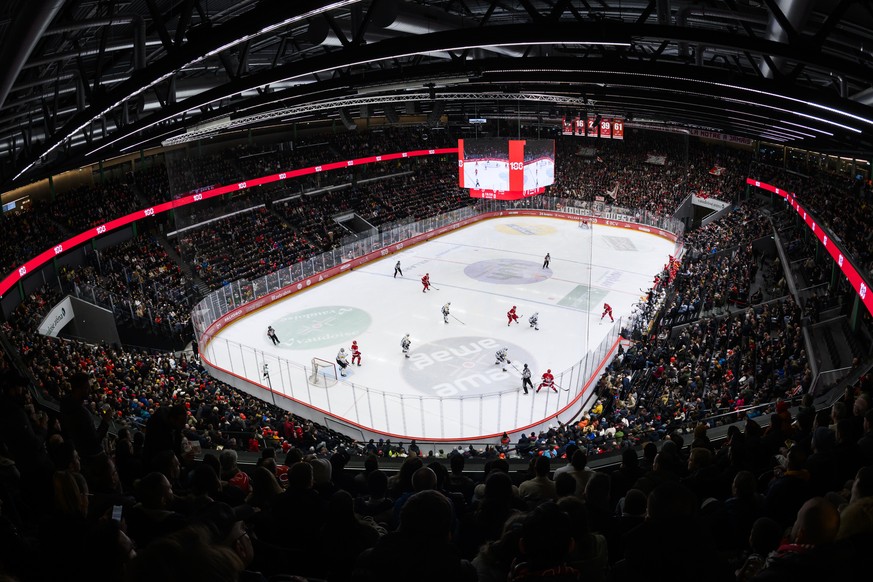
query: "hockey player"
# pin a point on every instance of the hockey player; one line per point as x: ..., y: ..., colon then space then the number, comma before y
x: 445, y: 311
x: 534, y: 321
x: 342, y: 361
x: 502, y: 358
x: 397, y: 270
x: 271, y: 333
x: 607, y: 310
x: 525, y: 379
x: 511, y: 316
x: 425, y: 282
x: 546, y: 261
x: 405, y: 343
x: 356, y: 353
x: 548, y: 381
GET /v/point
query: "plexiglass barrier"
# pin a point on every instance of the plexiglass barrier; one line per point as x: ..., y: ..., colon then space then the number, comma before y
x: 267, y: 376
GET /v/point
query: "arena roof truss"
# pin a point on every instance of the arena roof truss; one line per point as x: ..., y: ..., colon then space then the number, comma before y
x: 91, y: 79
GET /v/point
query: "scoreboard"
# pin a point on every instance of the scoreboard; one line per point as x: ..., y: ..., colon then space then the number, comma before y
x: 606, y: 128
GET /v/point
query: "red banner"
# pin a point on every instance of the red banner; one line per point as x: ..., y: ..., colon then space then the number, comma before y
x: 837, y: 254
x: 46, y: 256
x: 606, y: 128
x: 618, y: 128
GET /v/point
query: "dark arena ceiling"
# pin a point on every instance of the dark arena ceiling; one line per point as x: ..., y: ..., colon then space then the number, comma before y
x: 88, y: 80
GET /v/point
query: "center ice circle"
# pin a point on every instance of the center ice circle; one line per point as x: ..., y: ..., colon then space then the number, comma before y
x: 508, y: 272
x: 464, y: 366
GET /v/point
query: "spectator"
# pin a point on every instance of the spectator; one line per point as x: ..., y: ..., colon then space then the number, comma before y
x: 79, y: 422
x: 546, y: 545
x: 809, y: 554
x: 425, y: 522
x: 540, y: 488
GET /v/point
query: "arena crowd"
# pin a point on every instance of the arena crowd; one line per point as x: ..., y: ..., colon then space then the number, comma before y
x: 137, y: 477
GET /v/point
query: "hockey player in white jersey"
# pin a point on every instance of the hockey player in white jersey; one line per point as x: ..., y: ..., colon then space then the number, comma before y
x: 405, y: 343
x: 534, y: 321
x: 502, y: 358
x: 342, y: 361
x: 445, y: 311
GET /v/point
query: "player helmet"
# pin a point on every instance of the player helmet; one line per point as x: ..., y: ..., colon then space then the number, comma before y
x: 548, y: 371
x: 513, y: 306
x: 342, y: 350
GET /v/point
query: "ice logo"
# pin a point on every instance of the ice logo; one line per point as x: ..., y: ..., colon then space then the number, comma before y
x: 507, y: 272
x: 321, y: 327
x: 462, y: 366
x: 862, y: 291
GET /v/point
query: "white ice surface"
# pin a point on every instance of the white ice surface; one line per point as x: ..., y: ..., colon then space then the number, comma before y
x: 450, y: 387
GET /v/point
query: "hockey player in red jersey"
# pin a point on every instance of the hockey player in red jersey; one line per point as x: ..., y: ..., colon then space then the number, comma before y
x: 511, y: 316
x: 607, y: 310
x: 425, y: 281
x: 548, y: 381
x: 356, y: 353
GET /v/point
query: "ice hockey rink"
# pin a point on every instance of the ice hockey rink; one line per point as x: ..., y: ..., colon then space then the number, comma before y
x: 449, y: 387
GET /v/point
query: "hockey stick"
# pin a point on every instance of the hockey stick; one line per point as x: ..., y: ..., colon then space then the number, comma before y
x: 461, y: 322
x: 516, y: 369
x: 564, y: 389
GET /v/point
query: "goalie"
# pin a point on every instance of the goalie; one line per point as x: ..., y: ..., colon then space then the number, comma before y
x: 342, y: 361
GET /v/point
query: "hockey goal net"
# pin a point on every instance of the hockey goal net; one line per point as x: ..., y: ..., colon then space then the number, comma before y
x: 323, y: 373
x: 585, y: 223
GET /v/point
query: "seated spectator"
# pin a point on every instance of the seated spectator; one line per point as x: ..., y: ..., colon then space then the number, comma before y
x: 546, y: 544
x: 809, y: 553
x: 344, y: 529
x: 228, y: 529
x: 186, y: 555
x: 764, y: 538
x: 790, y: 488
x: 231, y: 473
x: 494, y: 560
x: 375, y: 504
x: 650, y: 549
x: 152, y: 517
x: 540, y: 488
x: 425, y: 525
x: 590, y: 554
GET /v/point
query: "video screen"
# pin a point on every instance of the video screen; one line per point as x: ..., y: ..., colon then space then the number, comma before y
x: 484, y: 163
x: 506, y: 165
x: 539, y: 163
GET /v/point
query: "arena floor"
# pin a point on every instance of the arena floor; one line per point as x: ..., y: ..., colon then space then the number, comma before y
x: 450, y: 387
